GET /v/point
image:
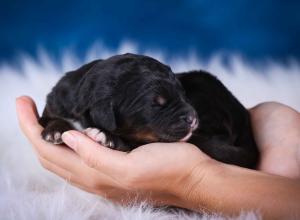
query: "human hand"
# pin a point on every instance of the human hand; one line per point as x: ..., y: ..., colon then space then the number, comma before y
x: 161, y: 173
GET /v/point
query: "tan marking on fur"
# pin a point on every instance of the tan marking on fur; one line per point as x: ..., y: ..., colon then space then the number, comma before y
x: 145, y: 136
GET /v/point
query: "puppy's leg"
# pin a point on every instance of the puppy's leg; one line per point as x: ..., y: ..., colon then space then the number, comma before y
x: 54, y: 129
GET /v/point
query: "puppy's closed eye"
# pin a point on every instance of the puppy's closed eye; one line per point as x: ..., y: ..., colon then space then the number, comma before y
x: 159, y: 101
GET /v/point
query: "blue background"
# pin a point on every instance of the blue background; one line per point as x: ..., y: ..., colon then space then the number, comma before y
x: 257, y: 30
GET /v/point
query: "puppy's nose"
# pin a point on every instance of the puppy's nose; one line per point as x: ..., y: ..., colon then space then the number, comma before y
x: 189, y: 118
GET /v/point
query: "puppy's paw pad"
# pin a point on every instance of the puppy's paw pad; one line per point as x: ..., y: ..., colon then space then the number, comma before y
x: 53, y: 137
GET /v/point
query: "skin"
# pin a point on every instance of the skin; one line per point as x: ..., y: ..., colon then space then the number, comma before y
x: 179, y: 174
x: 277, y: 132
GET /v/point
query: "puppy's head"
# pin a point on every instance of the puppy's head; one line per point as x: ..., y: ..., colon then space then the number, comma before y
x: 139, y: 99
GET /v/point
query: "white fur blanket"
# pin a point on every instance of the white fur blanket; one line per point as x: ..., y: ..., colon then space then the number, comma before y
x: 29, y: 192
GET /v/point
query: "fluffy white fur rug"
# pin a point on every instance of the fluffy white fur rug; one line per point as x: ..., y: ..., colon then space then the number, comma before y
x: 29, y: 192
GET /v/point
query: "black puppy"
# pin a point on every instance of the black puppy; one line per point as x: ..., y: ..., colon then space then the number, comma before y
x: 130, y: 100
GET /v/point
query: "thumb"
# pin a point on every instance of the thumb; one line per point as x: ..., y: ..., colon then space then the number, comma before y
x: 103, y: 159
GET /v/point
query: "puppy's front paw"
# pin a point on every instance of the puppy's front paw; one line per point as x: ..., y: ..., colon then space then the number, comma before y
x: 53, y: 137
x: 53, y: 131
x: 99, y: 136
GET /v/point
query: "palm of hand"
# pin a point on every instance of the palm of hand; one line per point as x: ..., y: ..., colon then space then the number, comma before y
x: 159, y: 163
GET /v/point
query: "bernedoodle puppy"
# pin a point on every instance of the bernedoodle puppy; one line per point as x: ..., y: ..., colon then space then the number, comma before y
x: 129, y: 100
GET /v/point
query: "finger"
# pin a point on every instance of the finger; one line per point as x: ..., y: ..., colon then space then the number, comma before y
x: 105, y: 160
x: 66, y: 159
x: 56, y: 154
x: 68, y: 176
x: 80, y: 174
x: 87, y: 189
x: 76, y: 180
x: 62, y: 157
x: 28, y: 116
x: 28, y: 119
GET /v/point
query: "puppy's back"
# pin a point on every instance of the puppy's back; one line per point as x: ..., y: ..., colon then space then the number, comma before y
x: 224, y: 131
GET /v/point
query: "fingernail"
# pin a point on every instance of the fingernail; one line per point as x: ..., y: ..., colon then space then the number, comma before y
x: 69, y: 139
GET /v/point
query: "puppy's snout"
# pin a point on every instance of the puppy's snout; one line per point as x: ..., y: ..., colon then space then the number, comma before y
x: 191, y: 119
x: 188, y: 118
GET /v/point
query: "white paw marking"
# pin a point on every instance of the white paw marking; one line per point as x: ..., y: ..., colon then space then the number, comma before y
x: 98, y: 136
x: 54, y: 138
x: 48, y: 137
x: 57, y: 136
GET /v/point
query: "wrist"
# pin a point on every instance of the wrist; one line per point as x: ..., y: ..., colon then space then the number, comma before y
x: 193, y: 192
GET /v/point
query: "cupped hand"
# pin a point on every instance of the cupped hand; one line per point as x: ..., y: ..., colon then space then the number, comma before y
x: 161, y: 173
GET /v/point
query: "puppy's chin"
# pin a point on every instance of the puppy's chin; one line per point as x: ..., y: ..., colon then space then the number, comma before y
x: 194, y: 126
x: 170, y: 138
x: 186, y: 137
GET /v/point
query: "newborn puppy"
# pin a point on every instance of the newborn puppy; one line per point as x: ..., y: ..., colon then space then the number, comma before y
x: 129, y: 100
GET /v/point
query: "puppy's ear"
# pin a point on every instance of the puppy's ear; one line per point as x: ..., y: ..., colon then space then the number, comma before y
x: 102, y: 114
x: 93, y: 100
x: 91, y: 88
x: 84, y: 96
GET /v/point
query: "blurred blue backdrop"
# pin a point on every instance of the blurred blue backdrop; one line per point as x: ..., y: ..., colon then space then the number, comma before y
x: 256, y: 29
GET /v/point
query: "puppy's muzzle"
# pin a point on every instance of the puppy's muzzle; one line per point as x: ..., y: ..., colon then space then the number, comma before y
x: 191, y: 120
